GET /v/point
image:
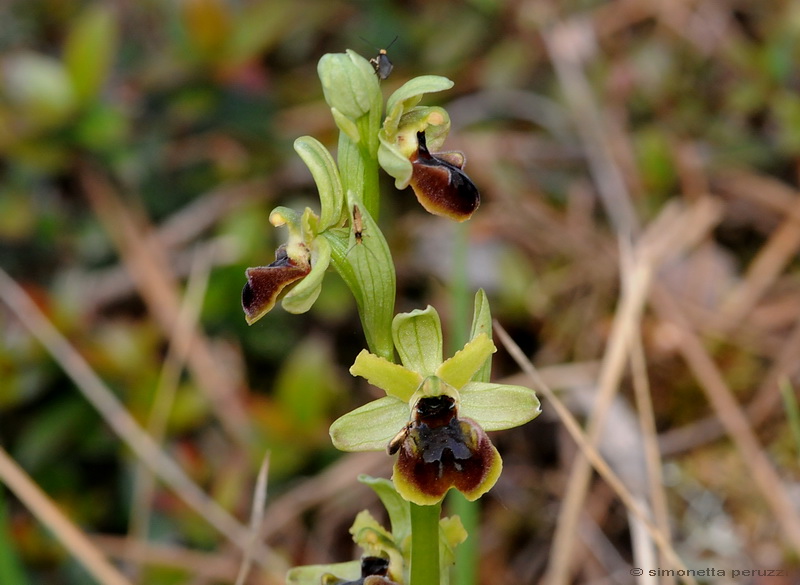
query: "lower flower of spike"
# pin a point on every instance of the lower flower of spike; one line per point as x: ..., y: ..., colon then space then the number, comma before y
x: 438, y: 451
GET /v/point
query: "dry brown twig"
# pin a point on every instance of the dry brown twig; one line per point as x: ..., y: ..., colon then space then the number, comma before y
x: 590, y: 451
x: 124, y: 425
x: 67, y: 533
x: 149, y: 267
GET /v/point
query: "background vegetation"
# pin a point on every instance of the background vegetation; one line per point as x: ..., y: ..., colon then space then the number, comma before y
x: 143, y: 144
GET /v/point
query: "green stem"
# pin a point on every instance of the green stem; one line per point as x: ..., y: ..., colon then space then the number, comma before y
x: 425, y: 544
x: 466, y: 569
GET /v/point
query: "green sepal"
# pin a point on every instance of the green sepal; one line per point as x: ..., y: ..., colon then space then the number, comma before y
x: 370, y: 427
x: 313, y: 574
x: 482, y: 323
x: 392, y: 378
x: 326, y: 175
x: 418, y: 338
x: 368, y: 270
x: 409, y: 95
x: 498, y: 406
x: 305, y: 293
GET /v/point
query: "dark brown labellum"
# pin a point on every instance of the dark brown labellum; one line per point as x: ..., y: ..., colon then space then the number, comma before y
x: 441, y: 187
x: 265, y: 283
x: 438, y: 450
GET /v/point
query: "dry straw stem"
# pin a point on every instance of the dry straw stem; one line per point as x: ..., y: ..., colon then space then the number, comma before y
x: 64, y: 530
x: 591, y: 453
x: 774, y: 256
x: 211, y: 566
x: 164, y: 396
x: 732, y: 418
x: 256, y: 520
x: 149, y: 267
x: 123, y: 424
x: 673, y: 231
x: 653, y: 462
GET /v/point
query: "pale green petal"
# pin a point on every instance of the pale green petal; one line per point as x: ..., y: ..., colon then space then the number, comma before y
x: 459, y: 369
x: 370, y: 427
x: 393, y: 161
x: 418, y: 338
x: 498, y: 406
x: 394, y: 379
x: 302, y: 296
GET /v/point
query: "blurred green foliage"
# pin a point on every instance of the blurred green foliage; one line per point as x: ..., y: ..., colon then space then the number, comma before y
x: 189, y: 109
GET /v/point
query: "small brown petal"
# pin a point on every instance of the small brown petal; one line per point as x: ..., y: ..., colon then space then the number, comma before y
x: 265, y: 284
x: 441, y: 187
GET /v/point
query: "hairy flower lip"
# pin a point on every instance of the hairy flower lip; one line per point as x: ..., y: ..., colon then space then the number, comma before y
x: 439, y: 451
x: 265, y: 284
x: 440, y: 185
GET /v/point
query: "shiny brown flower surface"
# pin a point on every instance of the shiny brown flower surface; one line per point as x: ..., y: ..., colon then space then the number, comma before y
x: 440, y: 185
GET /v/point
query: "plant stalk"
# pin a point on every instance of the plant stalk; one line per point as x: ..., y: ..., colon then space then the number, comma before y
x: 425, y: 544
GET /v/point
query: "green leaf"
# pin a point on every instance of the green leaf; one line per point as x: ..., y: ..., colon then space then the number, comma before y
x: 418, y: 338
x: 498, y: 406
x: 396, y: 506
x: 370, y: 427
x: 90, y: 50
x: 326, y: 175
x: 367, y: 268
x: 482, y: 323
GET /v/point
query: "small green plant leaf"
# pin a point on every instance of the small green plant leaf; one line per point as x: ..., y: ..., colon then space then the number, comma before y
x: 90, y: 50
